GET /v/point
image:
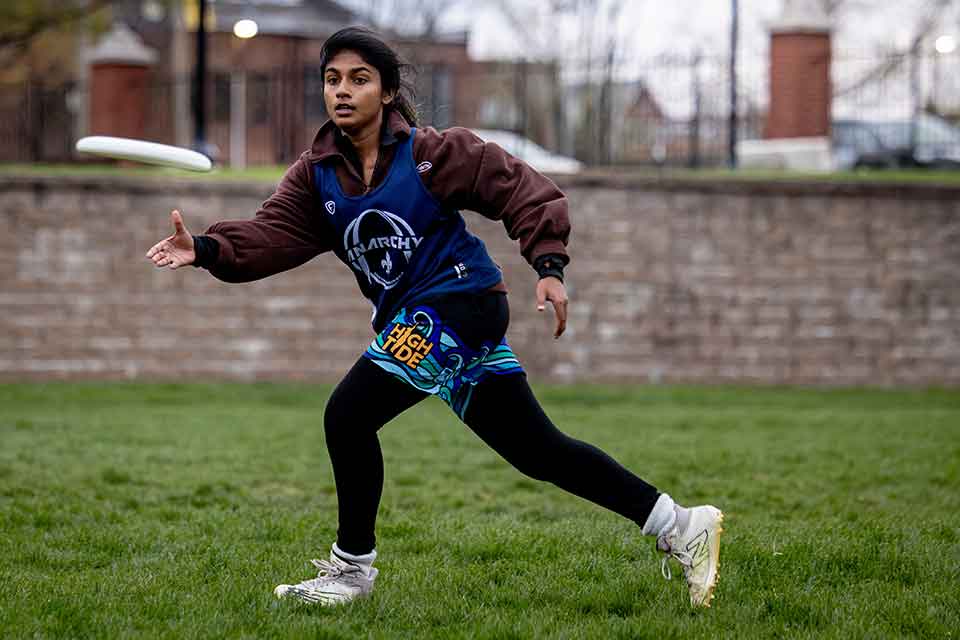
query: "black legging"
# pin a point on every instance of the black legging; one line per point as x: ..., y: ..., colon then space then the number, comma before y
x: 503, y: 412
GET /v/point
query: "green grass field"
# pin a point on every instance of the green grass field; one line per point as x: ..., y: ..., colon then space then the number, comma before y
x: 160, y: 510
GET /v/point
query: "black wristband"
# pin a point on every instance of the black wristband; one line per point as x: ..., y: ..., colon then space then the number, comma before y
x: 207, y: 251
x: 550, y: 265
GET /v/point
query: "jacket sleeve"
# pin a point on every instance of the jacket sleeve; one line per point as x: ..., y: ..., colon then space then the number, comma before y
x: 284, y: 233
x: 468, y: 173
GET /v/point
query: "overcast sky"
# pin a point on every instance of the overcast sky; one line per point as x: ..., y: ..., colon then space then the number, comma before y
x: 865, y: 32
x: 651, y: 27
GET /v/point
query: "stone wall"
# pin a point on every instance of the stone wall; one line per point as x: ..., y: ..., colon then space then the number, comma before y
x: 671, y: 280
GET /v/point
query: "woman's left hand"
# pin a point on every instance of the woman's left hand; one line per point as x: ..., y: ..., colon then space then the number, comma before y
x: 552, y: 289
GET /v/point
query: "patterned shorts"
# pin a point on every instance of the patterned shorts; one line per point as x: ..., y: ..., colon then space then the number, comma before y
x: 417, y: 347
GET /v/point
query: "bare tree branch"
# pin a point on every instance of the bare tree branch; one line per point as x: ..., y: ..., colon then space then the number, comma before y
x: 518, y: 22
x: 934, y: 12
x: 410, y: 17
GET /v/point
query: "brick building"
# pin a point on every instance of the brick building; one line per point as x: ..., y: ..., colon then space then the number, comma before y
x: 274, y: 77
x: 264, y: 95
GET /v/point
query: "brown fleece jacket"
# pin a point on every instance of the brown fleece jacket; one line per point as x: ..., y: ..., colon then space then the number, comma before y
x: 457, y: 167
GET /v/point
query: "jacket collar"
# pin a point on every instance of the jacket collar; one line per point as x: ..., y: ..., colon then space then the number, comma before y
x: 330, y: 141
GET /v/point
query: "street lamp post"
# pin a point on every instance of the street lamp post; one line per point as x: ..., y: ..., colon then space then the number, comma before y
x: 200, y: 80
x: 244, y: 30
x: 944, y: 46
x: 916, y: 105
x: 734, y: 37
x: 696, y: 94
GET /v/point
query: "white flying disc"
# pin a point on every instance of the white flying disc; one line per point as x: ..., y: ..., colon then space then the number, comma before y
x: 143, y: 151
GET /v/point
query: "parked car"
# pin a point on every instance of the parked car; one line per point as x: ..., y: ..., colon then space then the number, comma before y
x: 857, y: 145
x: 934, y: 141
x: 530, y: 152
x: 925, y: 141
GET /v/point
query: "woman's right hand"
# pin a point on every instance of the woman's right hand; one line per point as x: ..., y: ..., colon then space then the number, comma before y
x: 175, y: 251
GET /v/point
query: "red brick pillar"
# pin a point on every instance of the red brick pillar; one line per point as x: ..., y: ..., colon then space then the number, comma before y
x: 800, y: 88
x: 120, y: 69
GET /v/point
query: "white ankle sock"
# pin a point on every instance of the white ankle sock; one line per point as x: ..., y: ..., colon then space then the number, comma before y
x: 683, y: 517
x: 365, y: 561
x: 662, y: 518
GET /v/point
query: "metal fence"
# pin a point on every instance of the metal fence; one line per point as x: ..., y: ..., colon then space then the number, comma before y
x: 671, y: 110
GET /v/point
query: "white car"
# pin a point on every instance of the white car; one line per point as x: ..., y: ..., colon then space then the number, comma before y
x: 924, y: 141
x: 530, y: 152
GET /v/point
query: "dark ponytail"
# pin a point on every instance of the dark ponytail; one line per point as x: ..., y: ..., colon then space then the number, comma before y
x: 376, y: 52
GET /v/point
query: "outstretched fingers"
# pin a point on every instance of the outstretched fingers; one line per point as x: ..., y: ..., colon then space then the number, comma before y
x: 165, y: 253
x: 162, y: 255
x: 157, y: 248
x: 551, y: 289
x: 541, y: 297
x: 560, y: 307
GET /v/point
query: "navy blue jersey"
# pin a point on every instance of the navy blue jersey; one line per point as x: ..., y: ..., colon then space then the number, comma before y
x: 402, y: 244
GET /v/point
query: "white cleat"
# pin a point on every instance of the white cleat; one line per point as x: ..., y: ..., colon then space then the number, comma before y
x: 338, y: 582
x: 697, y: 549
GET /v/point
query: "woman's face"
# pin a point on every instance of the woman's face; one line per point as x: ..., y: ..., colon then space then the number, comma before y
x: 353, y: 92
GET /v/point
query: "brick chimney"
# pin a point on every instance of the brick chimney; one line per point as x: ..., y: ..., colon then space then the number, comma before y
x: 119, y: 89
x: 800, y: 89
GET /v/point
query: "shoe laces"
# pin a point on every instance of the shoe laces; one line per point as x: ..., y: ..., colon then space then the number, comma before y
x: 327, y: 569
x: 683, y: 557
x: 327, y: 572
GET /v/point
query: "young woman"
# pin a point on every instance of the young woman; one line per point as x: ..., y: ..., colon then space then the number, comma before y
x: 385, y: 196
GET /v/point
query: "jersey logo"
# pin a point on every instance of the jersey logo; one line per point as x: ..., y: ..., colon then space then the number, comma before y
x: 330, y: 206
x: 423, y: 167
x: 379, y: 244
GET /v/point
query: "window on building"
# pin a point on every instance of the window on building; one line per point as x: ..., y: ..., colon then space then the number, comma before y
x: 258, y: 98
x: 499, y: 112
x: 442, y: 97
x: 434, y: 89
x: 313, y: 107
x: 221, y: 97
